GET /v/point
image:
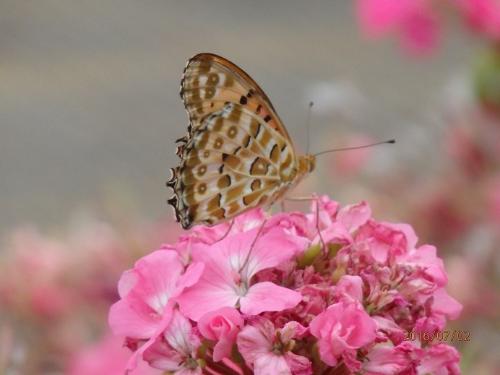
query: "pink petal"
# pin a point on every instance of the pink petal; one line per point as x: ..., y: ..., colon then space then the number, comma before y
x: 127, y: 320
x: 146, y: 291
x: 354, y: 216
x: 163, y: 357
x: 299, y: 365
x: 267, y: 296
x: 384, y: 359
x: 271, y: 364
x: 223, y: 349
x: 270, y: 250
x: 441, y: 359
x: 191, y: 276
x: 255, y: 341
x: 222, y: 326
x: 137, y: 356
x: 445, y: 304
x: 127, y: 281
x: 351, y: 286
x: 206, y: 296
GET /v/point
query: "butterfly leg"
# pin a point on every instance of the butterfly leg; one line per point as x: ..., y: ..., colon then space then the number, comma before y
x: 247, y: 258
x: 282, y: 205
x: 301, y: 199
x: 324, y: 247
x: 227, y: 232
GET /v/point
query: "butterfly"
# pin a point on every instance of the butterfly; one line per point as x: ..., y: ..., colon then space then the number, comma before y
x: 237, y: 154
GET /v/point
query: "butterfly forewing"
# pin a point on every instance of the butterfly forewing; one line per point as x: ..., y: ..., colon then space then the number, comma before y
x: 210, y: 81
x: 237, y: 153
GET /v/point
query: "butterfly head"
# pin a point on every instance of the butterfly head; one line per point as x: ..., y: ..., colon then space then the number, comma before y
x: 306, y: 164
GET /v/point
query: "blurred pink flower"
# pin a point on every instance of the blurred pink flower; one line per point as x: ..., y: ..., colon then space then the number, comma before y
x: 230, y: 265
x: 107, y: 357
x: 493, y: 199
x: 221, y: 325
x: 350, y: 163
x: 344, y: 326
x: 483, y: 16
x: 268, y: 350
x: 45, y: 260
x: 467, y: 150
x: 478, y: 294
x: 414, y: 21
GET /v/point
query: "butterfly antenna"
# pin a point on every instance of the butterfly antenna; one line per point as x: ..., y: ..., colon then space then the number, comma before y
x: 308, y: 123
x: 389, y: 141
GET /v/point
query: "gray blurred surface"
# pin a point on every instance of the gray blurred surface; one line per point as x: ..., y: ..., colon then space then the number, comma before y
x: 89, y: 105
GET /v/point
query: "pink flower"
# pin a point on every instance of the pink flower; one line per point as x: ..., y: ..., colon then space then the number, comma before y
x: 260, y: 286
x: 353, y: 216
x: 428, y: 271
x: 385, y: 359
x: 230, y: 265
x: 440, y: 359
x: 384, y: 241
x: 483, y: 16
x: 323, y: 216
x: 175, y: 349
x: 327, y: 211
x: 222, y: 326
x: 107, y: 357
x: 388, y: 329
x: 351, y: 287
x: 269, y: 351
x: 444, y: 304
x: 343, y: 327
x: 415, y: 22
x: 148, y: 294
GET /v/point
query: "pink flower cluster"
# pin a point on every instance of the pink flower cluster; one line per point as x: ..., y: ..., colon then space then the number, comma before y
x: 417, y: 23
x: 294, y: 293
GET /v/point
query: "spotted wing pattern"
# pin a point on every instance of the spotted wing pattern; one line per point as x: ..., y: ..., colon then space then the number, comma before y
x: 237, y: 154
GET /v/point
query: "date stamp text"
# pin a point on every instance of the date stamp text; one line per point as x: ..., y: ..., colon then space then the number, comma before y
x: 451, y: 335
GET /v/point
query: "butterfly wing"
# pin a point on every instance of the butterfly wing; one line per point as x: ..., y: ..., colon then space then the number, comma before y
x: 210, y: 81
x: 237, y: 153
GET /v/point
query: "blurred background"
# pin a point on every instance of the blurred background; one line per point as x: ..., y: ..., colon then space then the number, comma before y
x: 89, y: 111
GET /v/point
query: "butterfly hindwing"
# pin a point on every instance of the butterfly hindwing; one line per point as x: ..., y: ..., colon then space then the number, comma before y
x: 232, y: 161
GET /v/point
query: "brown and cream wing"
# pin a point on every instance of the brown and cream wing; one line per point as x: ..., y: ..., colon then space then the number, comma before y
x: 231, y: 163
x: 210, y: 81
